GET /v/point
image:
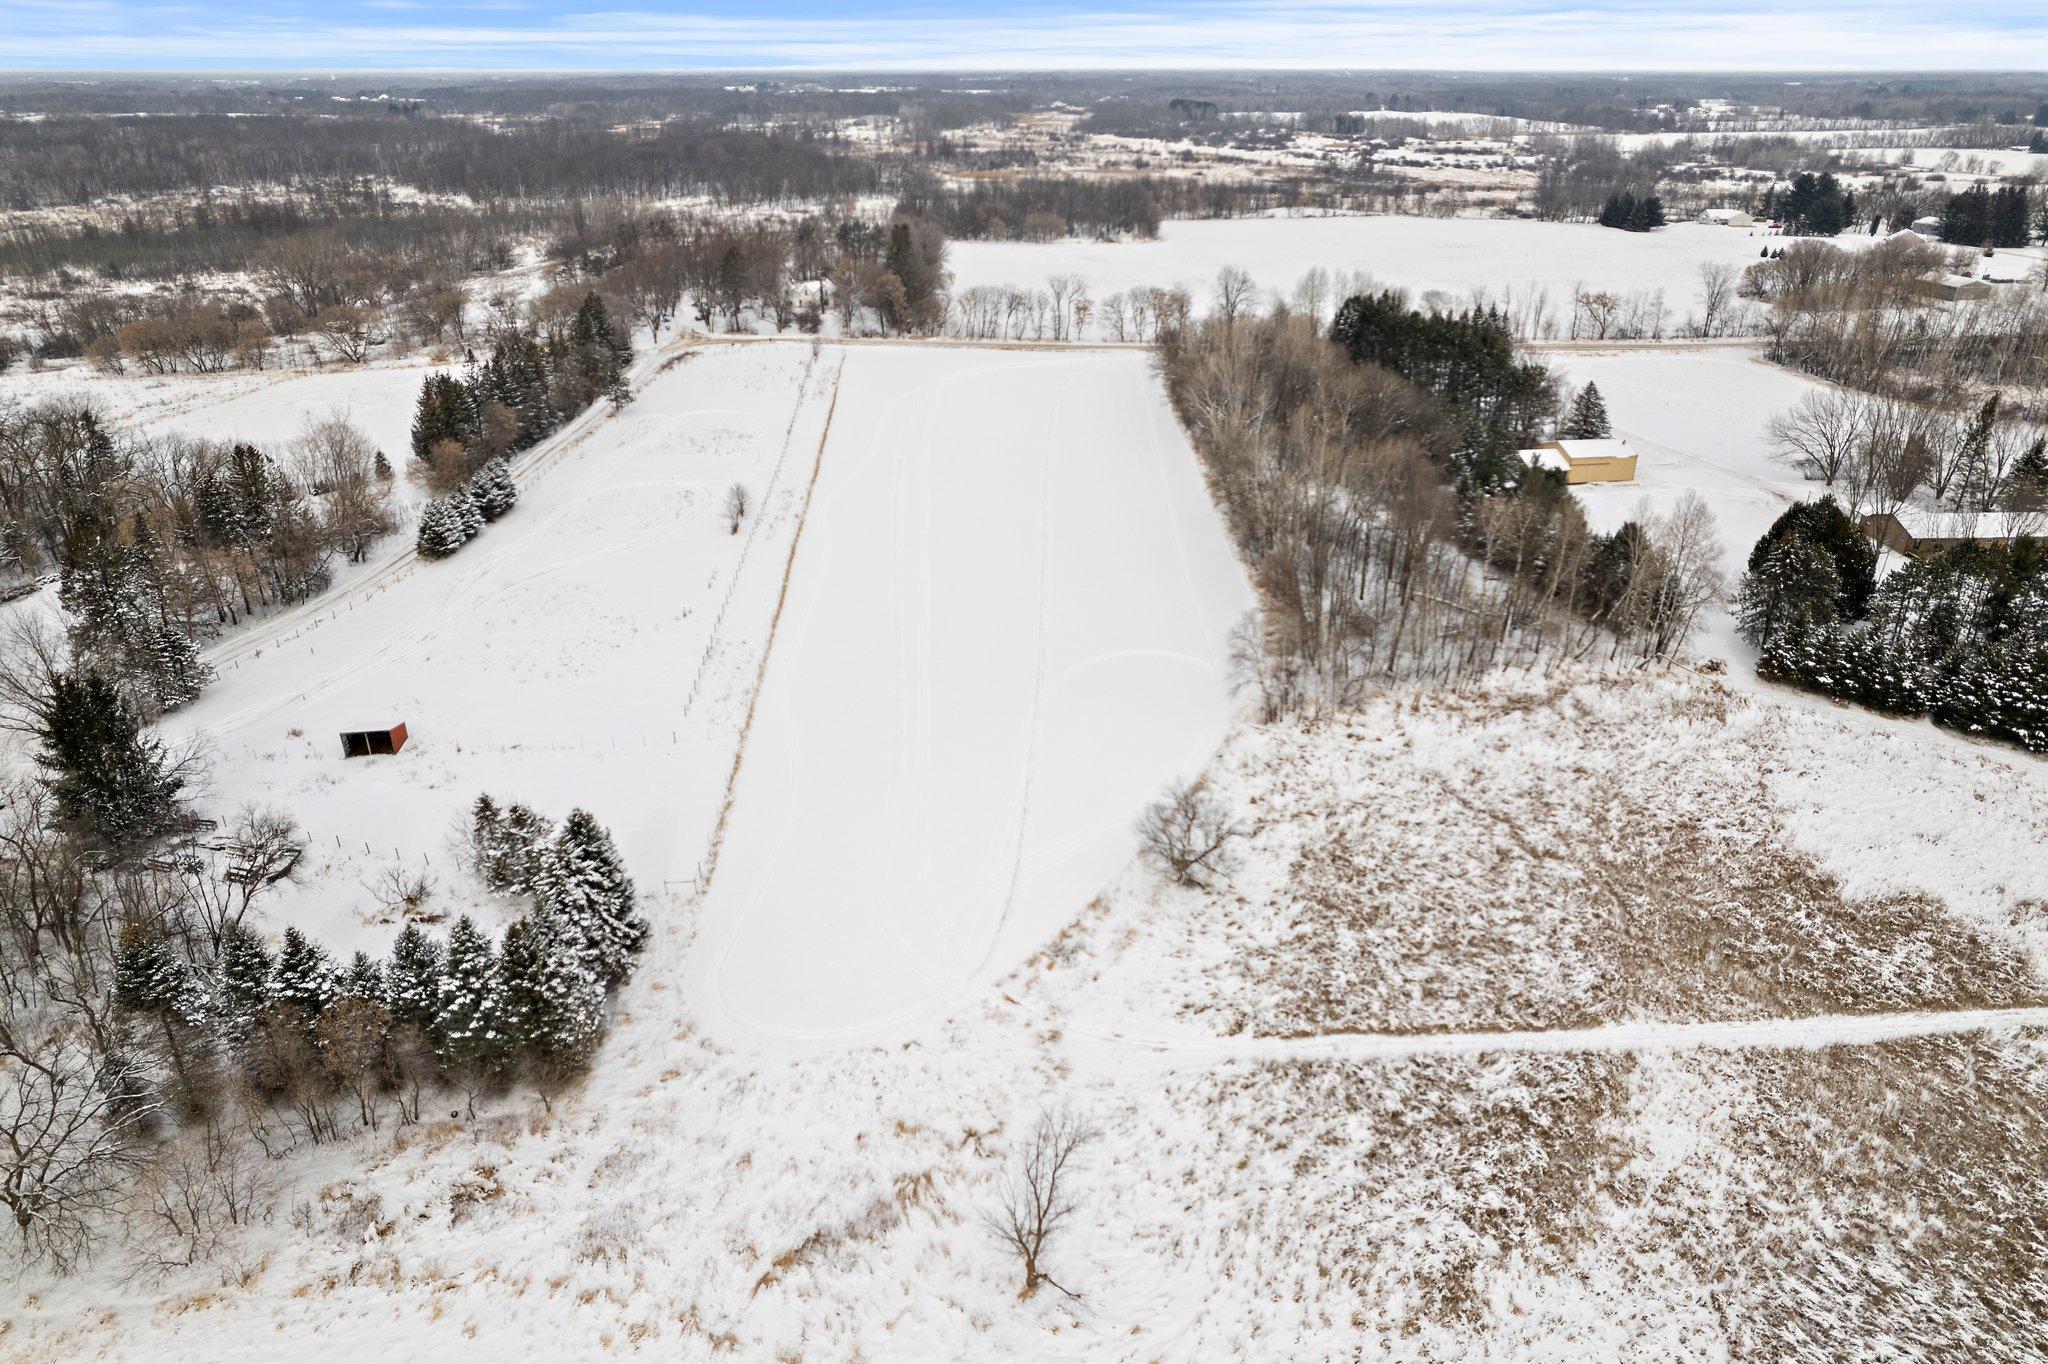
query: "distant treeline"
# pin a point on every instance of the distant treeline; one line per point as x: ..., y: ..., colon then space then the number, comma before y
x: 79, y: 160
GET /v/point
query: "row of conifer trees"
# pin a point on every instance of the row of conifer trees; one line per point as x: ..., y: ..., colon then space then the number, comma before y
x: 1960, y: 637
x: 300, y: 1029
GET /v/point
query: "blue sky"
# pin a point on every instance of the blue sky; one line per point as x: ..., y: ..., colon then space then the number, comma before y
x: 358, y: 35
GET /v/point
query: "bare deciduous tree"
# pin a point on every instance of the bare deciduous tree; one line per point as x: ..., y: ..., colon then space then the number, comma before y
x: 735, y: 507
x: 1037, y: 1194
x: 1189, y: 833
x: 1818, y: 434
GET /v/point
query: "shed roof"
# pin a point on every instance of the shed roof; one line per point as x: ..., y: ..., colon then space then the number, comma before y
x: 1925, y: 523
x: 1595, y: 449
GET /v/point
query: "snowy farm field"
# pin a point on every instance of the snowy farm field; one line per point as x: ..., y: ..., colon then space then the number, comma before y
x: 1533, y: 266
x: 1006, y: 629
x: 264, y: 407
x: 1404, y: 1180
x: 590, y: 649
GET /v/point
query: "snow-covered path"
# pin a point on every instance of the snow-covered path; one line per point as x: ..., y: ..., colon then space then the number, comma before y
x: 1131, y: 1053
x: 1006, y: 629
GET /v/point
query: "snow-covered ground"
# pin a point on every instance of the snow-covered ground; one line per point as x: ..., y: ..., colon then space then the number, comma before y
x: 591, y: 648
x: 267, y: 408
x: 1535, y: 266
x: 1006, y: 629
x: 1696, y: 419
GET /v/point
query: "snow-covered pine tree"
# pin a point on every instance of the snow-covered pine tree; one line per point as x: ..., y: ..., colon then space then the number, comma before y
x: 362, y: 979
x: 304, y: 981
x: 469, y: 1025
x: 527, y: 835
x: 487, y: 841
x: 153, y: 984
x: 242, y: 987
x: 463, y: 508
x: 1791, y: 589
x: 1587, y: 417
x: 112, y: 782
x: 493, y: 489
x: 412, y: 983
x: 442, y: 529
x: 584, y: 885
x: 553, y: 1003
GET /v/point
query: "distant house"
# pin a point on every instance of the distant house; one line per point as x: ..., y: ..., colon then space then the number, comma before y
x: 363, y: 743
x: 1954, y: 288
x: 1584, y: 461
x: 1929, y: 226
x: 1725, y: 217
x: 1917, y: 532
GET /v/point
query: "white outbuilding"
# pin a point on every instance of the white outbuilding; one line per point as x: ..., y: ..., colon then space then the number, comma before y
x: 1725, y: 217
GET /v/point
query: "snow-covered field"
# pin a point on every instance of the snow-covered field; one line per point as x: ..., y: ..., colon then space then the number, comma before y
x: 1585, y: 1016
x: 266, y: 408
x: 1006, y: 628
x: 1464, y: 259
x: 1696, y: 419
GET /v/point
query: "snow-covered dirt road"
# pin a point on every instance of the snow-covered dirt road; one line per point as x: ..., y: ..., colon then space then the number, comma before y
x: 1006, y: 629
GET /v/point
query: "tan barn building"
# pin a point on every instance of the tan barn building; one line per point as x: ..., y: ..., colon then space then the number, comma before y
x: 1584, y: 461
x: 1917, y: 532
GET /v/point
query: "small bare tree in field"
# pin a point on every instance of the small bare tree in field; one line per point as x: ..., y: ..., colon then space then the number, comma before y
x: 735, y: 507
x: 1189, y: 833
x: 1037, y: 1195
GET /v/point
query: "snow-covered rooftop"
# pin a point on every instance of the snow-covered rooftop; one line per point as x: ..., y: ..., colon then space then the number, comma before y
x: 1926, y: 523
x: 1595, y: 449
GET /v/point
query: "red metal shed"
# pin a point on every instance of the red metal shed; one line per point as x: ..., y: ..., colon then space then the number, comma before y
x: 361, y: 743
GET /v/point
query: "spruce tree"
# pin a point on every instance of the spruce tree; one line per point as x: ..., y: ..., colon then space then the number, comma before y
x: 493, y: 489
x: 465, y: 514
x: 527, y: 835
x: 111, y: 783
x: 304, y: 981
x: 442, y: 530
x: 446, y: 412
x: 584, y: 886
x: 412, y: 983
x: 362, y: 979
x: 554, y: 1005
x: 1587, y: 418
x: 154, y: 985
x: 469, y: 1025
x: 1790, y: 590
x: 243, y: 988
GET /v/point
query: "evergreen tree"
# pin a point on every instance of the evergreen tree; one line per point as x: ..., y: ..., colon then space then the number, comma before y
x: 243, y: 988
x: 1824, y: 525
x: 469, y: 1024
x: 1973, y: 458
x: 1789, y: 591
x: 584, y: 887
x: 2027, y: 487
x: 111, y: 783
x: 1646, y: 215
x: 1587, y: 417
x: 445, y: 412
x: 554, y: 1005
x: 527, y: 835
x: 304, y: 980
x: 412, y: 984
x: 443, y: 529
x: 493, y: 490
x: 465, y: 514
x: 363, y: 979
x: 1966, y: 218
x: 153, y: 984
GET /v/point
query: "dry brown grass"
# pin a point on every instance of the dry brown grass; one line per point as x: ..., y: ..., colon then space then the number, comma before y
x: 1529, y: 861
x: 1412, y: 1181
